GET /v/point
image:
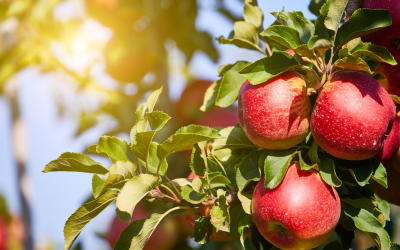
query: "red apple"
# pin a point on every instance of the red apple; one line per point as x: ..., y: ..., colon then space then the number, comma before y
x: 3, y: 235
x: 275, y: 114
x: 164, y: 237
x: 218, y: 118
x: 301, y: 213
x: 391, y: 80
x: 352, y: 115
x: 391, y: 144
x: 391, y: 194
x: 388, y: 37
x: 188, y: 106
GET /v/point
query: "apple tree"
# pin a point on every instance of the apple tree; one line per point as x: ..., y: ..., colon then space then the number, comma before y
x: 316, y: 134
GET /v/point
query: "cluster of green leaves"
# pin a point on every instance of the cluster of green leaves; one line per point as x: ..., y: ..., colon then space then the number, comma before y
x: 137, y: 168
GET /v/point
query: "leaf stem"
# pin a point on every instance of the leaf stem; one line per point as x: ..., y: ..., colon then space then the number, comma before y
x: 170, y: 191
x: 176, y: 189
x: 268, y: 48
x: 159, y: 165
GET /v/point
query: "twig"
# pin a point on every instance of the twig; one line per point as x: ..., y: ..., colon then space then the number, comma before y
x: 162, y: 194
x: 170, y: 182
x: 268, y: 48
x: 170, y: 191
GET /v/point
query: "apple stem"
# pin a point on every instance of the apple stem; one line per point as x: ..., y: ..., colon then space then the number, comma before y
x: 140, y: 166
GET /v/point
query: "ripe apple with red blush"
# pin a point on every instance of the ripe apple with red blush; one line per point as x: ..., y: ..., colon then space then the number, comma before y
x: 275, y: 114
x: 164, y: 237
x: 300, y: 213
x: 388, y: 37
x: 352, y: 116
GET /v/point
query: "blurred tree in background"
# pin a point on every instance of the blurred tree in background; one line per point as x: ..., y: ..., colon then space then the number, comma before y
x: 136, y: 57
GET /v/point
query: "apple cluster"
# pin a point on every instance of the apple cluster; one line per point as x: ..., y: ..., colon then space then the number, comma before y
x: 353, y: 118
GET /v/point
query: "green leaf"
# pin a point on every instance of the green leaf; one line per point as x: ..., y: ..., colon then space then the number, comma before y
x: 233, y: 138
x: 361, y: 23
x: 198, y: 159
x: 244, y: 223
x: 154, y: 161
x: 303, y: 164
x: 151, y: 101
x: 137, y: 233
x: 384, y: 208
x: 220, y: 213
x: 327, y: 171
x: 78, y: 220
x: 237, y: 214
x: 252, y: 13
x: 186, y: 136
x: 197, y: 184
x: 75, y: 162
x: 141, y: 111
x: 202, y: 230
x: 192, y: 196
x: 352, y: 64
x: 368, y: 204
x: 321, y: 45
x: 211, y: 96
x: 262, y: 70
x: 140, y: 145
x: 276, y: 165
x: 116, y: 149
x: 248, y: 169
x: 287, y: 36
x: 313, y: 153
x: 315, y: 6
x: 362, y: 171
x: 371, y: 52
x: 120, y: 171
x: 142, y: 141
x: 368, y: 223
x: 97, y: 183
x: 304, y: 27
x: 335, y: 14
x: 320, y: 29
x: 230, y: 85
x: 379, y: 174
x: 157, y: 119
x: 218, y: 178
x: 135, y: 190
x: 393, y: 246
x: 245, y: 199
x: 245, y: 36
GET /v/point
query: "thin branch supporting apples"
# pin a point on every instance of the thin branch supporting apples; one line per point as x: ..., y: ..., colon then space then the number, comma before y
x: 156, y: 193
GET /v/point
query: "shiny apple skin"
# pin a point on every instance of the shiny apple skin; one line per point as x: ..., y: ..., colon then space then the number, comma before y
x: 388, y: 37
x: 352, y: 115
x: 275, y: 114
x: 301, y: 213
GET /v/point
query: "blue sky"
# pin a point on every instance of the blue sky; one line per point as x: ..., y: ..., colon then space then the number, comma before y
x: 56, y: 196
